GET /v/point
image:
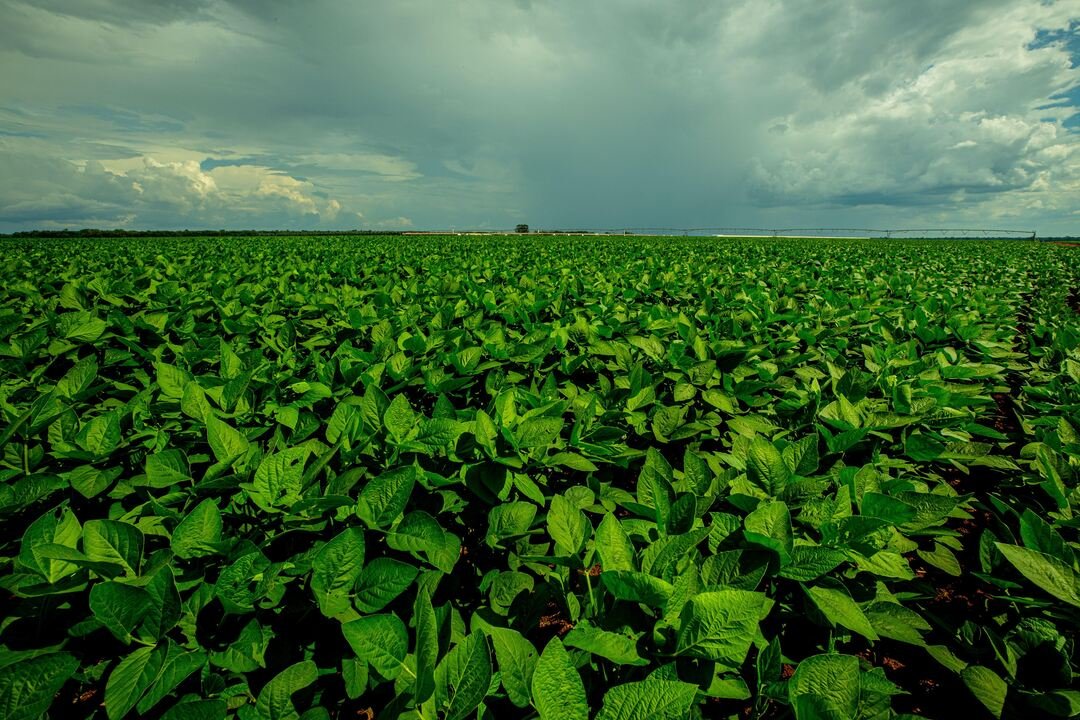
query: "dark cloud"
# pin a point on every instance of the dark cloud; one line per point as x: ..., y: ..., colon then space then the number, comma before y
x: 553, y: 112
x: 123, y: 119
x: 211, y: 163
x: 127, y: 12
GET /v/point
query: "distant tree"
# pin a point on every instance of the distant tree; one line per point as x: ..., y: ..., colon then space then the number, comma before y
x: 522, y: 228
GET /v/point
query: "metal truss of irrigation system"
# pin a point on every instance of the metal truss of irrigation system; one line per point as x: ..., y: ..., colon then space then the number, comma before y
x: 936, y: 233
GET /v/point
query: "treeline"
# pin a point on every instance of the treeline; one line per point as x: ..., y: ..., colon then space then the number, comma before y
x: 119, y: 233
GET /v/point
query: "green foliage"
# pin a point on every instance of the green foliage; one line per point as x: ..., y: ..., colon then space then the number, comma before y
x: 557, y: 690
x: 566, y: 478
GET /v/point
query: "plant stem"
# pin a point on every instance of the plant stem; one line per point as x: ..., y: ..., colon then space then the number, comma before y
x: 592, y: 597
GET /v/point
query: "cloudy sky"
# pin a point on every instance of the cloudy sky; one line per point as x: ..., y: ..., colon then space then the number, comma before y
x: 486, y: 113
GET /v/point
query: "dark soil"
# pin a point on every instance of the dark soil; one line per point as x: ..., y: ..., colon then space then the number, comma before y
x: 554, y: 622
x: 934, y: 691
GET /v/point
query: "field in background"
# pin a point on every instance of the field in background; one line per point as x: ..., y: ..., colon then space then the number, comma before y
x: 609, y: 477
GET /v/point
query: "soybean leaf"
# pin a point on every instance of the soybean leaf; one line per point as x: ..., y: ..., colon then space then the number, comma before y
x: 769, y: 525
x: 112, y: 541
x: 119, y: 607
x: 196, y: 710
x: 825, y: 687
x: 720, y: 626
x: 335, y: 570
x: 651, y: 698
x: 517, y: 660
x: 557, y: 690
x: 427, y: 646
x: 567, y: 525
x: 617, y: 648
x: 167, y: 468
x: 384, y: 498
x: 381, y: 640
x: 132, y: 677
x: 987, y: 686
x: 198, y: 534
x: 637, y: 587
x: 1047, y: 572
x: 279, y: 478
x: 839, y: 609
x: 381, y: 581
x: 178, y: 666
x: 227, y: 443
x: 613, y: 545
x: 27, y: 687
x: 463, y: 676
x: 765, y: 467
x: 275, y: 698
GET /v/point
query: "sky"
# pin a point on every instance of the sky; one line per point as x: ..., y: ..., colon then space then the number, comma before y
x: 276, y: 114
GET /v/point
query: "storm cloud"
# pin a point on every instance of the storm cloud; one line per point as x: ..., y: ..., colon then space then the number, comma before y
x: 486, y: 113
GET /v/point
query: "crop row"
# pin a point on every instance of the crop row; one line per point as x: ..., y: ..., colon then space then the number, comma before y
x: 430, y: 477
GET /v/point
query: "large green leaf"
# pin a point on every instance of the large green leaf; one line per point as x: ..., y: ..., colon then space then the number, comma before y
x: 696, y: 472
x: 1040, y: 536
x: 538, y: 432
x: 335, y: 569
x: 101, y: 435
x: 720, y: 625
x: 987, y: 686
x: 381, y: 581
x: 427, y: 646
x: 839, y: 609
x: 384, y: 498
x: 167, y: 468
x: 421, y: 534
x: 517, y: 660
x: 1046, y: 571
x: 765, y: 467
x: 617, y: 648
x: 164, y: 610
x: 171, y: 380
x: 637, y: 587
x: 769, y: 525
x: 809, y: 562
x: 112, y: 541
x: 78, y: 379
x: 275, y: 698
x: 27, y: 686
x: 119, y: 607
x: 198, y: 534
x: 381, y: 640
x: 651, y: 698
x: 567, y: 525
x: 227, y: 443
x: 463, y: 677
x: 238, y: 585
x: 400, y: 419
x: 177, y: 667
x: 196, y: 710
x: 557, y: 690
x: 132, y: 677
x: 825, y: 687
x: 510, y: 519
x: 613, y: 545
x: 416, y: 532
x: 52, y: 528
x: 279, y: 479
